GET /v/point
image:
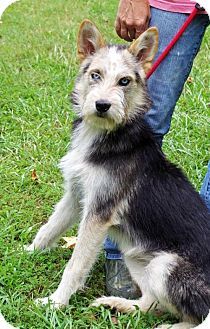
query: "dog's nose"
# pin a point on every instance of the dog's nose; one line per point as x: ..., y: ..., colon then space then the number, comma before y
x: 102, y: 106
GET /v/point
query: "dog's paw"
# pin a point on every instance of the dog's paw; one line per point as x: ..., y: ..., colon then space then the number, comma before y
x: 181, y: 325
x: 120, y: 304
x: 111, y: 302
x: 164, y: 326
x: 51, y: 301
x: 29, y: 248
x: 34, y: 247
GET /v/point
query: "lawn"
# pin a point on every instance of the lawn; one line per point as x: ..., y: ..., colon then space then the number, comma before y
x: 37, y: 69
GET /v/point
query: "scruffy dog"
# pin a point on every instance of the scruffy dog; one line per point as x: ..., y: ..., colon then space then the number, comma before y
x: 119, y: 181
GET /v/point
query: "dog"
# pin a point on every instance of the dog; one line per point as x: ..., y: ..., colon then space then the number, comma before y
x: 120, y: 183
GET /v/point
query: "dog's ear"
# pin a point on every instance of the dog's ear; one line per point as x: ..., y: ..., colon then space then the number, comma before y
x: 145, y: 47
x: 89, y: 40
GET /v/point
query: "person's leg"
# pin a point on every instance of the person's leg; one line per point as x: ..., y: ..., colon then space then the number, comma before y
x: 111, y: 250
x: 166, y: 83
x: 205, y: 188
x: 118, y: 279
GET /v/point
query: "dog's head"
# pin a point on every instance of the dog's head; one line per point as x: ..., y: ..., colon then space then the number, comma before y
x: 110, y: 89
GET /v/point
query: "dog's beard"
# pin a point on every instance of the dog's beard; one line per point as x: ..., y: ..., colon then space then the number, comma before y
x: 100, y: 122
x: 109, y: 120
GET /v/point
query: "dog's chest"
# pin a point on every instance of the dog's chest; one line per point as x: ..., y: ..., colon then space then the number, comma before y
x: 79, y: 171
x: 86, y: 178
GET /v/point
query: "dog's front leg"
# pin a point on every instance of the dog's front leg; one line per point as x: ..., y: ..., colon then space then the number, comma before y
x: 91, y: 235
x: 64, y: 216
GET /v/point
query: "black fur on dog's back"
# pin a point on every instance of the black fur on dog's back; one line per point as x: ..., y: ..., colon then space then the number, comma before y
x: 165, y: 213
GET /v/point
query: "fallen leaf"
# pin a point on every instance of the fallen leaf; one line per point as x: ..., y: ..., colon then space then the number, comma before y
x: 70, y: 241
x: 92, y: 317
x: 34, y: 176
x: 190, y: 79
x: 114, y: 320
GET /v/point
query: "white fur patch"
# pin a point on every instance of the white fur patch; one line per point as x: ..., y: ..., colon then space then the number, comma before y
x: 182, y: 325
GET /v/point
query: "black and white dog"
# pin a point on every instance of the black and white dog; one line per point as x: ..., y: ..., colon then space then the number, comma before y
x: 119, y: 181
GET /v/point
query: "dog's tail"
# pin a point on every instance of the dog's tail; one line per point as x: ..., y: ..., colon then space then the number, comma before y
x: 205, y: 324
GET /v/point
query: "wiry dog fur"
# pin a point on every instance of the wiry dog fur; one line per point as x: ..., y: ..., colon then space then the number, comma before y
x: 119, y: 182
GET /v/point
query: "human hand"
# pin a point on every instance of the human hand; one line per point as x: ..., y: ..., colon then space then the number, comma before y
x: 132, y: 18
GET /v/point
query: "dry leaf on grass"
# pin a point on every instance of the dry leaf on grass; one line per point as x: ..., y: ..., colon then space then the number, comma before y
x: 34, y: 176
x: 190, y: 79
x: 114, y: 320
x: 70, y: 242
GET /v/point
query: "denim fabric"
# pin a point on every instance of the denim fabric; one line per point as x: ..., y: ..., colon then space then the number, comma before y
x: 111, y: 250
x: 166, y: 84
x: 205, y: 188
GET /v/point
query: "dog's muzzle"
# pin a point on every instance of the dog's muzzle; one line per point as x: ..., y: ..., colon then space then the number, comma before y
x: 102, y: 106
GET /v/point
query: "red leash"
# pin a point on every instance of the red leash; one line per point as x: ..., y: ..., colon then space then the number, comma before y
x: 175, y: 39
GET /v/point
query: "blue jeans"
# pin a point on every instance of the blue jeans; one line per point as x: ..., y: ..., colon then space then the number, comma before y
x: 166, y: 84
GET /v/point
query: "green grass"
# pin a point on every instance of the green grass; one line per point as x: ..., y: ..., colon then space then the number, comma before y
x: 37, y: 70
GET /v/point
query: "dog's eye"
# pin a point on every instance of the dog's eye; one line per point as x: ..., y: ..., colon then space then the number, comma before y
x: 124, y: 82
x: 95, y: 76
